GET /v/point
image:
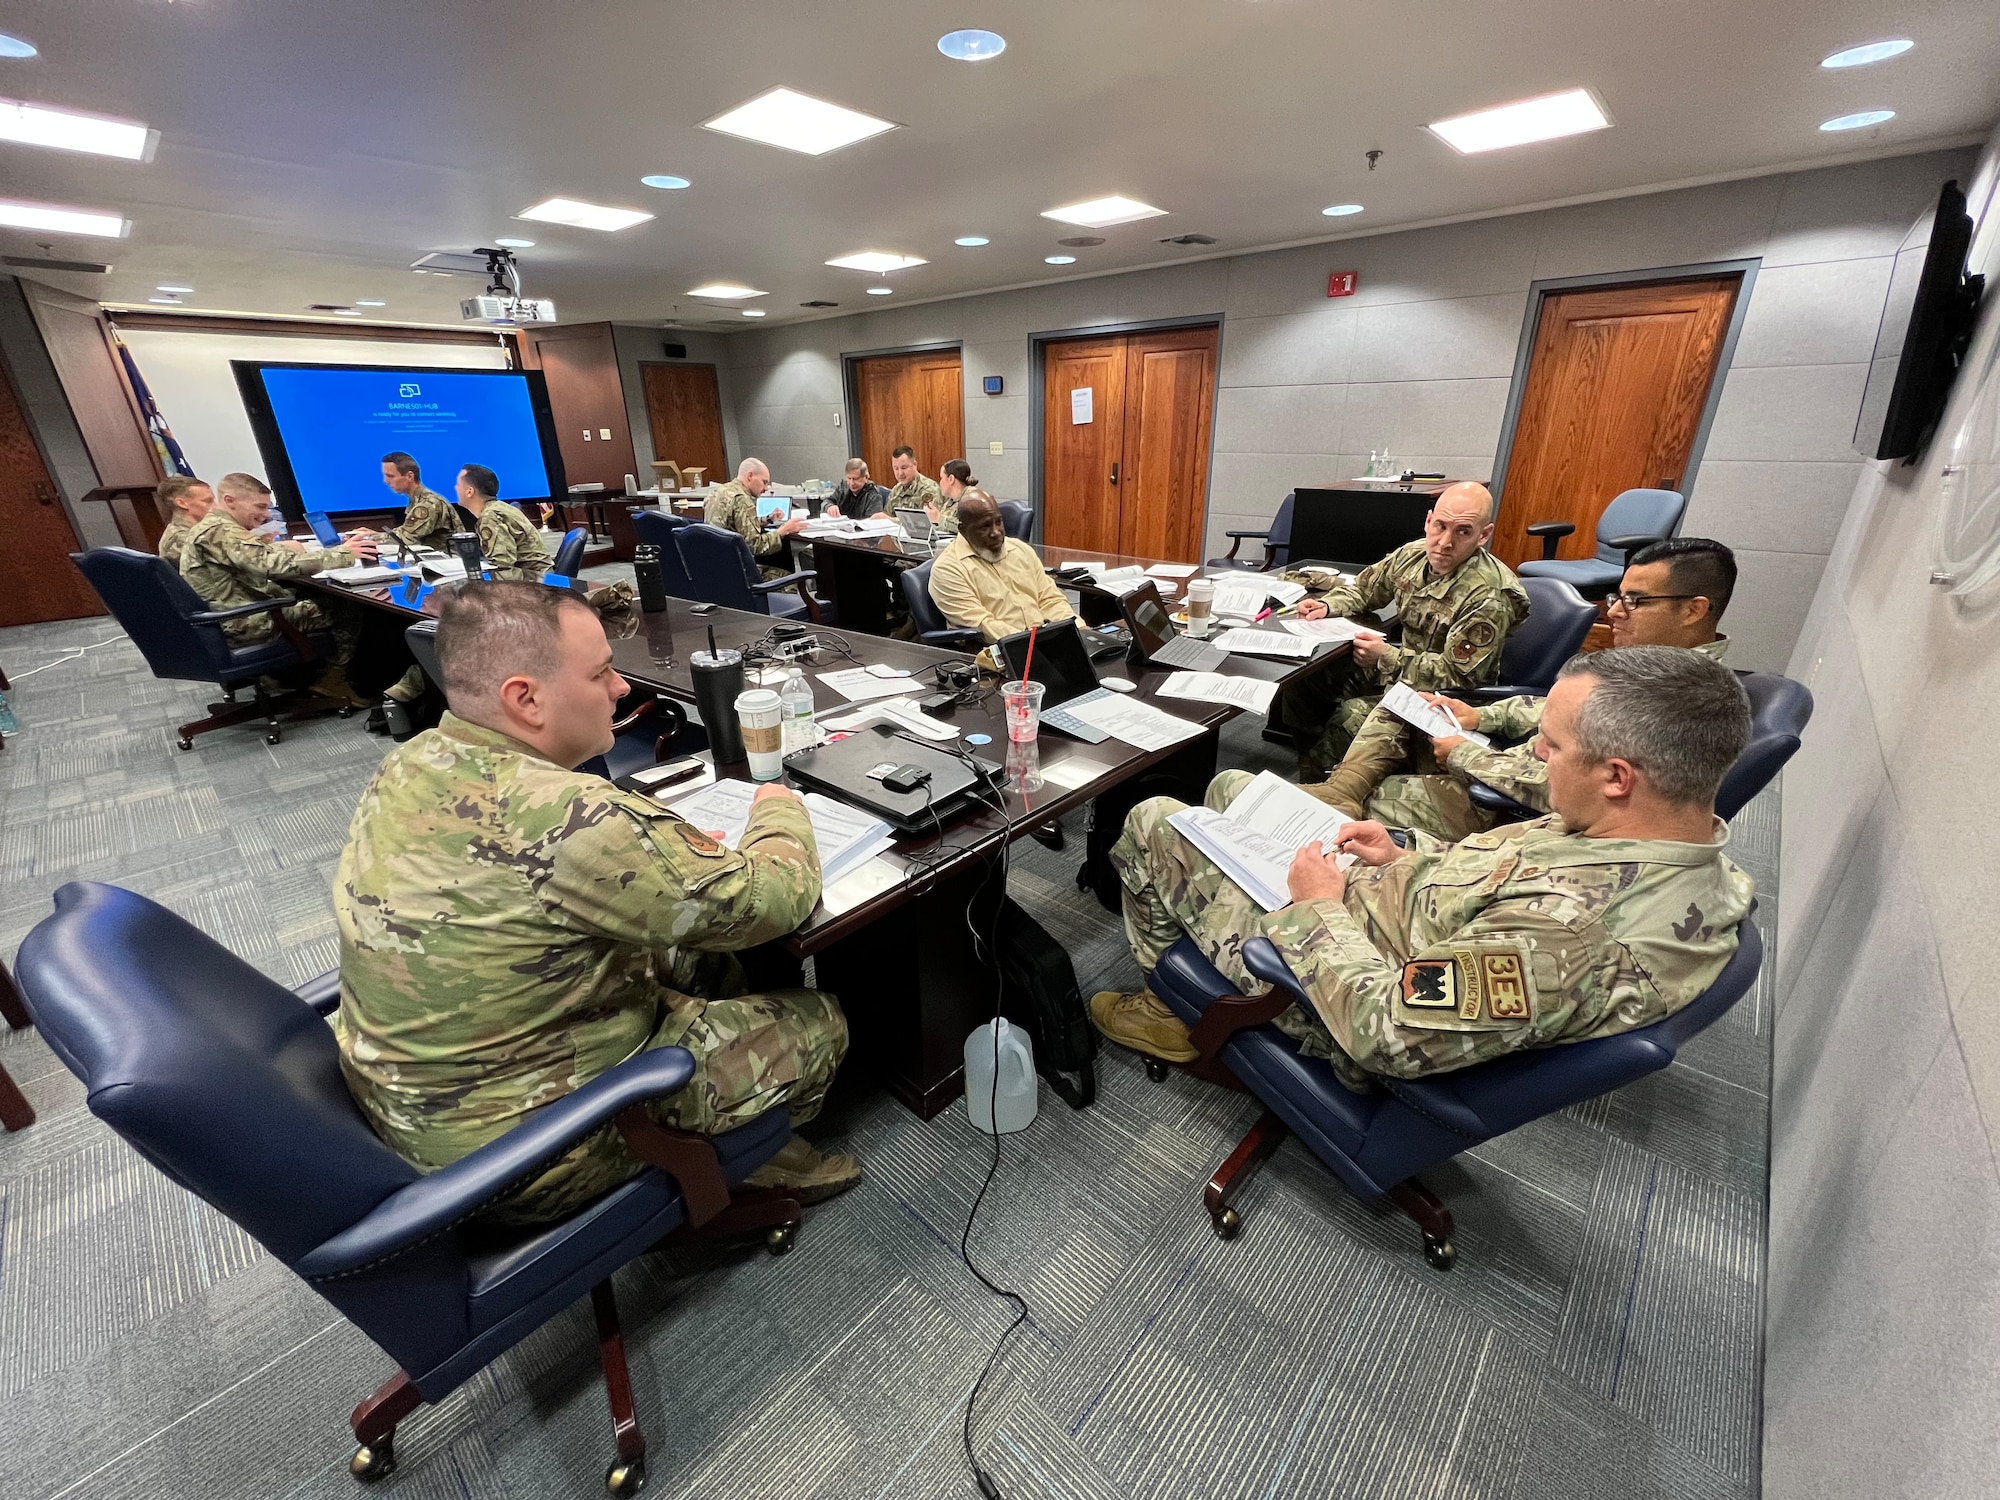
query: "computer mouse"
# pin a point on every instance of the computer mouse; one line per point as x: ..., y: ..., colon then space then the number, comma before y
x: 1116, y: 684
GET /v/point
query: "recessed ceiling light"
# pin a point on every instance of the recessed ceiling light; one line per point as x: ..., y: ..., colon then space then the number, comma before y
x: 166, y: 301
x: 972, y: 46
x: 580, y: 215
x: 14, y: 46
x: 797, y: 122
x: 506, y: 244
x: 369, y: 302
x: 178, y: 291
x: 1571, y: 112
x: 878, y: 261
x: 970, y: 241
x: 751, y: 312
x: 664, y: 180
x: 1101, y: 213
x: 728, y: 290
x: 39, y: 125
x: 1859, y: 121
x: 1059, y: 260
x: 63, y: 220
x: 1872, y: 52
x: 1341, y: 210
x: 880, y: 291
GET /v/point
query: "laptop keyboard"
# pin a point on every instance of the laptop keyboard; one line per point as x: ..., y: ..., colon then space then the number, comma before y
x: 1061, y: 718
x: 1191, y: 655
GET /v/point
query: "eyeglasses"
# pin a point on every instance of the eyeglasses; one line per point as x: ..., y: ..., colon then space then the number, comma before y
x: 1633, y: 600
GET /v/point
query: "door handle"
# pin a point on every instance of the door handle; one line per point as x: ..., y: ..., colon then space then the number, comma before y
x: 1114, y: 473
x: 45, y: 492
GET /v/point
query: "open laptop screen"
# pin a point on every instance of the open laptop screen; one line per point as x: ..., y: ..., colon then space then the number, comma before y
x: 323, y: 528
x: 1151, y: 625
x: 1061, y: 665
x: 916, y: 522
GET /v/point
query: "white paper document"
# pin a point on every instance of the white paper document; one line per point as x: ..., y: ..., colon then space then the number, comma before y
x: 900, y: 712
x: 1109, y: 576
x: 1212, y: 687
x: 1139, y: 725
x: 1072, y: 772
x: 858, y: 684
x: 1407, y: 704
x: 1174, y: 570
x: 1332, y: 629
x: 866, y: 880
x: 1253, y: 642
x: 363, y: 573
x: 1285, y: 592
x: 1079, y: 406
x: 846, y: 837
x: 1240, y: 598
x: 1255, y: 842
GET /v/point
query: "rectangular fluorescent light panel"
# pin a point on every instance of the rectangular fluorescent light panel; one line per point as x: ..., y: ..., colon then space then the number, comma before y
x: 797, y: 122
x: 877, y: 260
x: 1572, y: 112
x: 39, y: 125
x: 1101, y: 213
x: 63, y: 220
x: 580, y: 215
x: 727, y: 290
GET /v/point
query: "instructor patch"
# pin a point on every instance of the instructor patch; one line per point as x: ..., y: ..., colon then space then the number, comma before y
x: 1474, y: 989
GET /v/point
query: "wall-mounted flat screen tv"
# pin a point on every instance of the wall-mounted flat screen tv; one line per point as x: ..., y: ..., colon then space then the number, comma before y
x: 1910, y: 376
x: 322, y: 430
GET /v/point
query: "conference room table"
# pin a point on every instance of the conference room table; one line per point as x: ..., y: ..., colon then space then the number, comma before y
x: 896, y: 946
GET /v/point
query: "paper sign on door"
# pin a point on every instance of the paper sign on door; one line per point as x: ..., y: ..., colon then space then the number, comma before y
x: 1079, y: 406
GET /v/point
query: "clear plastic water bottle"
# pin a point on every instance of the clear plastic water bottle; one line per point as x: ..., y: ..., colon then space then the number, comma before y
x: 1010, y: 1106
x: 795, y: 701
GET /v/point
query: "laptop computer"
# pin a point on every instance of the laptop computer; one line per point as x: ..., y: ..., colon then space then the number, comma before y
x: 1159, y: 641
x: 323, y: 528
x: 850, y: 770
x: 1062, y: 666
x: 916, y: 522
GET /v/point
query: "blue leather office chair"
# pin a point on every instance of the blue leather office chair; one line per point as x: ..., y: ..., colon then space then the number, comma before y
x: 660, y: 529
x: 1629, y: 522
x: 181, y: 639
x: 1376, y: 1143
x: 1277, y: 540
x: 1557, y: 624
x: 1018, y: 517
x: 231, y: 1085
x: 1780, y: 709
x: 569, y: 555
x: 933, y: 629
x: 723, y: 570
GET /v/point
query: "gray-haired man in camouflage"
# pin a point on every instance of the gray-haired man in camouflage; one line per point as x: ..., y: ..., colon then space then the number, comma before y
x: 510, y: 928
x: 1611, y: 914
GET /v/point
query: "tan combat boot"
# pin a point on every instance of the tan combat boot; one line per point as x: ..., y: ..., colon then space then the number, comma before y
x: 1142, y: 1022
x: 804, y: 1172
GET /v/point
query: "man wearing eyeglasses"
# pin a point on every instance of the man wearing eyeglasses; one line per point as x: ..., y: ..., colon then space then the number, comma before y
x: 1673, y: 594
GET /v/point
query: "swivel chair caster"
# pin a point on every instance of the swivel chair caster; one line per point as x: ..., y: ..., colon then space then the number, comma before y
x: 779, y: 1240
x: 372, y: 1463
x: 1156, y: 1070
x: 1441, y: 1253
x: 1227, y: 1224
x: 626, y: 1477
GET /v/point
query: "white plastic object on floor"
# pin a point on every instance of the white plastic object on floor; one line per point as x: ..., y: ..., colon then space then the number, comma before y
x: 1014, y: 1107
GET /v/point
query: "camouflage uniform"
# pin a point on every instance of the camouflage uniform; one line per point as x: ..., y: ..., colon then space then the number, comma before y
x: 428, y: 520
x: 1526, y: 936
x: 1453, y: 628
x: 920, y: 492
x: 511, y: 543
x: 228, y: 565
x: 733, y: 507
x: 179, y: 529
x: 509, y: 930
x: 1440, y: 805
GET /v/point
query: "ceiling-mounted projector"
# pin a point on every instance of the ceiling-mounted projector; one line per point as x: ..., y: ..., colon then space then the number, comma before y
x: 498, y: 309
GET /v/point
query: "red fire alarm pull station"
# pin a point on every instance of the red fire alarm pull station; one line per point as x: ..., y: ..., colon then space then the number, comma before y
x: 1342, y: 283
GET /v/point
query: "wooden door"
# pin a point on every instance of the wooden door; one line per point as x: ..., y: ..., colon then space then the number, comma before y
x: 684, y: 409
x: 1133, y: 478
x: 1617, y: 382
x: 918, y: 399
x: 586, y: 400
x: 37, y: 580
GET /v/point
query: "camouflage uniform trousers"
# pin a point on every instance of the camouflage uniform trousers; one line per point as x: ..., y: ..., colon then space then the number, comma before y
x: 752, y: 1053
x: 1173, y: 890
x: 1325, y: 711
x: 1379, y: 745
x: 1438, y: 804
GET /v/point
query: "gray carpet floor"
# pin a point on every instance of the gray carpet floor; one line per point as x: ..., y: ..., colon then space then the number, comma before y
x: 1599, y: 1335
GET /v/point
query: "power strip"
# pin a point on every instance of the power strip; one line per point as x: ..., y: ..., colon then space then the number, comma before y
x: 803, y: 645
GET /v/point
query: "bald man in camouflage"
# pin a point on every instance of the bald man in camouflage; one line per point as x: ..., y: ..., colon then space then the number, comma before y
x: 1608, y: 915
x: 510, y: 928
x: 733, y: 506
x: 1456, y: 602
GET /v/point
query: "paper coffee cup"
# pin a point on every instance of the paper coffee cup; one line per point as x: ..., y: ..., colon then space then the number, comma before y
x: 1200, y: 600
x: 761, y: 718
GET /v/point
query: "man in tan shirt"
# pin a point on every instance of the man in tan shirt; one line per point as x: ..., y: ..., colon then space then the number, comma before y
x: 989, y: 582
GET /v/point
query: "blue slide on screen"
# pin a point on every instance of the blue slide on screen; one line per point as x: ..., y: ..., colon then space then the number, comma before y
x: 337, y: 424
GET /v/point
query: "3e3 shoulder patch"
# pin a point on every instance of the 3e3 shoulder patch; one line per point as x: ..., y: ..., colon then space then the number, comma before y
x: 1484, y: 988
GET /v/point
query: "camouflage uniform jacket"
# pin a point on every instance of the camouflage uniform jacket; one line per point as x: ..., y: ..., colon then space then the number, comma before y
x: 428, y: 520
x: 510, y: 929
x: 179, y: 529
x: 920, y: 492
x: 733, y: 507
x: 1516, y: 770
x: 1453, y: 627
x: 1523, y: 937
x: 227, y: 565
x: 511, y: 543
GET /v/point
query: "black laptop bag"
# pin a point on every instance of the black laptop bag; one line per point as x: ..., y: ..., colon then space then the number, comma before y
x: 1038, y: 993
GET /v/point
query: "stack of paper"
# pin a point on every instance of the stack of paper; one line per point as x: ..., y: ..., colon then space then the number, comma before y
x: 900, y: 712
x: 1407, y: 704
x: 1266, y: 643
x: 365, y: 573
x: 1332, y: 629
x: 1174, y: 570
x: 1255, y: 842
x: 1212, y: 687
x: 858, y: 684
x: 847, y: 838
x: 1239, y: 598
x: 1139, y: 725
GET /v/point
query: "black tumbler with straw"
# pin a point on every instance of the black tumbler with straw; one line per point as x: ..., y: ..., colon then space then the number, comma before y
x: 718, y: 678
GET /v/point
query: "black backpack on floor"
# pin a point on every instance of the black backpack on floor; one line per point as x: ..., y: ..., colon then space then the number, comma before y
x: 1038, y: 993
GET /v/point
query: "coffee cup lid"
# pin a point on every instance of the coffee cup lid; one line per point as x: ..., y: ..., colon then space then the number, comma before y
x: 756, y: 701
x: 728, y: 656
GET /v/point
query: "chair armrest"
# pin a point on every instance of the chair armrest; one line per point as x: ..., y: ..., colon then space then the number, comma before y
x: 1630, y: 544
x: 1260, y: 536
x: 321, y: 992
x: 1484, y: 796
x: 772, y: 584
x: 439, y: 1202
x: 1481, y: 696
x: 1551, y: 532
x: 958, y: 638
x: 1229, y: 1014
x: 619, y: 726
x: 238, y: 611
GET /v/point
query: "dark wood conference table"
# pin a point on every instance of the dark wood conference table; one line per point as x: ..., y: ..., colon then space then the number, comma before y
x: 903, y: 961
